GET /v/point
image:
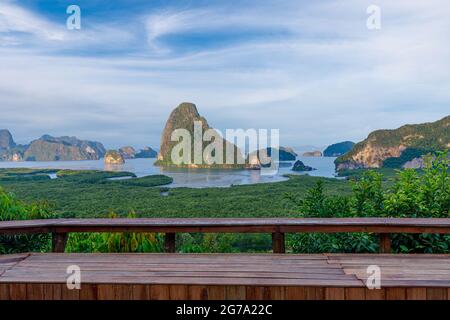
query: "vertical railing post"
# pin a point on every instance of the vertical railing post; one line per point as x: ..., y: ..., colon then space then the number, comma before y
x: 385, y: 243
x: 278, y: 245
x: 59, y: 241
x: 169, y: 242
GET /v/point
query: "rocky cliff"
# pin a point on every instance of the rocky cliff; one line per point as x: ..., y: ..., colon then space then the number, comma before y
x: 284, y: 153
x: 131, y: 153
x: 183, y: 117
x: 397, y: 147
x: 9, y: 150
x: 113, y: 157
x: 338, y: 149
x: 48, y: 148
x: 6, y: 140
x: 300, y: 166
x: 127, y: 152
x: 146, y: 152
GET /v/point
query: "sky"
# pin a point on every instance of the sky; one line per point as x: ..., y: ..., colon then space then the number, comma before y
x: 311, y: 69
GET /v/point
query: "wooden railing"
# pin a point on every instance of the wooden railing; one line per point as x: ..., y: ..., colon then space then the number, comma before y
x: 60, y: 228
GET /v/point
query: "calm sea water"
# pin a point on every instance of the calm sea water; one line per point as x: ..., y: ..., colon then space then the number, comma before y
x: 193, y: 178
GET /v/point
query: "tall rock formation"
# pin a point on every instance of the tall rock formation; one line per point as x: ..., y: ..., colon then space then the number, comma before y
x: 113, y: 157
x: 9, y: 150
x: 6, y: 140
x: 395, y: 148
x: 184, y: 117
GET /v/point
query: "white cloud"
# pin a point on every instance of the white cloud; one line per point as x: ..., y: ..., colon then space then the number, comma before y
x: 16, y: 19
x: 327, y: 79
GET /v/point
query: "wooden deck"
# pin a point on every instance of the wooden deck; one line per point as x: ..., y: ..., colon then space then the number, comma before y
x: 224, y: 276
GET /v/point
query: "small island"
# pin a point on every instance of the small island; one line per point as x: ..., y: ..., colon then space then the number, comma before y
x: 300, y: 166
x: 316, y: 153
x: 113, y: 157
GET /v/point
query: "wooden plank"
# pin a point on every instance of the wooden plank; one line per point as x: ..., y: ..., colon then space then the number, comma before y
x: 274, y: 293
x: 4, y: 292
x: 385, y: 243
x: 122, y: 291
x: 141, y: 292
x: 235, y: 293
x: 105, y: 292
x: 255, y: 293
x: 416, y: 293
x: 437, y: 294
x: 375, y: 294
x: 216, y: 292
x: 35, y: 291
x: 278, y: 242
x: 59, y: 241
x: 395, y: 293
x: 315, y: 293
x: 269, y: 225
x: 169, y: 242
x: 159, y: 292
x: 88, y: 292
x: 334, y: 294
x: 355, y: 293
x: 178, y: 292
x: 67, y: 294
x: 197, y: 293
x: 18, y: 291
x: 295, y: 293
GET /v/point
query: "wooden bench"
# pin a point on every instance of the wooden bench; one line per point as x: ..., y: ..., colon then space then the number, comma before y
x: 60, y: 228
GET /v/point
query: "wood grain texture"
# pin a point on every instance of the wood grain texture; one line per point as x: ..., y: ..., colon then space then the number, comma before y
x: 39, y: 276
x: 270, y: 225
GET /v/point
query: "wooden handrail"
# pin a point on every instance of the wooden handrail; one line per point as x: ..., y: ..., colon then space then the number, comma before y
x: 60, y: 228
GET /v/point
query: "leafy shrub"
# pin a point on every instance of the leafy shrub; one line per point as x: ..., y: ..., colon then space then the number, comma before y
x: 115, y: 242
x: 414, y: 194
x: 13, y: 209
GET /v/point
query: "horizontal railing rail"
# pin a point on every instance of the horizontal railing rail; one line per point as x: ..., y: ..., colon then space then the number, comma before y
x: 60, y: 228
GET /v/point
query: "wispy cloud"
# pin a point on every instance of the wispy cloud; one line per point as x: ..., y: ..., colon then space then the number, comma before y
x: 311, y: 69
x: 13, y: 18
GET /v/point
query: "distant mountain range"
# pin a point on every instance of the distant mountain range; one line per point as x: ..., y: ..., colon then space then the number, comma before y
x: 400, y: 148
x: 48, y: 148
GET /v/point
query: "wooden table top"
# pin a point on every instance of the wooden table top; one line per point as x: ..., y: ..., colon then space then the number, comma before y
x: 312, y: 270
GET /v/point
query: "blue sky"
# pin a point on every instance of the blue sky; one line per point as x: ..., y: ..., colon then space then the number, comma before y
x: 309, y: 68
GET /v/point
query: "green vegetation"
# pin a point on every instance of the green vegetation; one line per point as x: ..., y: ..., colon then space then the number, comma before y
x: 388, y: 174
x: 84, y: 195
x: 373, y: 193
x: 338, y: 149
x: 407, y: 155
x: 420, y: 137
x: 13, y: 209
x: 412, y: 194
